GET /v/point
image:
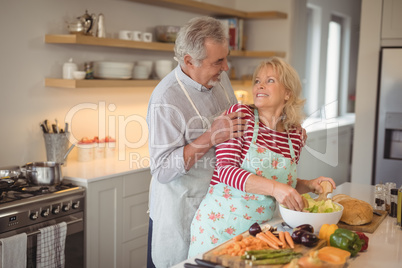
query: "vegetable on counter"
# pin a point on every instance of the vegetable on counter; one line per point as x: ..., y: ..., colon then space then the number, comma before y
x: 305, y: 227
x: 366, y: 240
x: 326, y: 257
x: 270, y: 256
x: 254, y: 229
x: 326, y: 231
x: 346, y: 240
x: 302, y: 235
x: 335, y: 256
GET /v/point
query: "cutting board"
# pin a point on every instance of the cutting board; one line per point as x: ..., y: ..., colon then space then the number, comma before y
x: 237, y: 262
x: 368, y: 227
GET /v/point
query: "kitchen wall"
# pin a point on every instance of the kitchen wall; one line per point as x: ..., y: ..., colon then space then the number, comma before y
x: 26, y: 60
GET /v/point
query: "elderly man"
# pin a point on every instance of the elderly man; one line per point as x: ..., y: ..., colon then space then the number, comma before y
x: 185, y: 120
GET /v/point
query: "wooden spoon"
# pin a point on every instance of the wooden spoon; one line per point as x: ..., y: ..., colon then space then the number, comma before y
x: 326, y: 189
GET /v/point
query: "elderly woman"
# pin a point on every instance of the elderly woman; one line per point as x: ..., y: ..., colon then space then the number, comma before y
x: 254, y: 171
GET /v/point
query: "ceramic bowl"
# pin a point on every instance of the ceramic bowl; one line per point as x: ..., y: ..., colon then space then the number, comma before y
x: 295, y: 218
x: 79, y: 75
x: 166, y: 33
x: 163, y: 67
x: 148, y: 63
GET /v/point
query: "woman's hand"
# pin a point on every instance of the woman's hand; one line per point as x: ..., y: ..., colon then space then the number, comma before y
x: 287, y: 196
x: 315, y: 187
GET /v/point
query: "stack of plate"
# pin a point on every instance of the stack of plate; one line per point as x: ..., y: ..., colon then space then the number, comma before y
x: 113, y: 70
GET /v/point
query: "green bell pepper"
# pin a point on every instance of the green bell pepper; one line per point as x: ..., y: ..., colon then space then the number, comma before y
x: 346, y: 240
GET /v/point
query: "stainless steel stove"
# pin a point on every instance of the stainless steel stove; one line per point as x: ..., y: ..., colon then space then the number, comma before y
x: 27, y: 208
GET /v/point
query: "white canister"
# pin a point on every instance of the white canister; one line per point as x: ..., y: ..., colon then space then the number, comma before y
x: 85, y: 152
x: 110, y: 149
x: 69, y: 68
x: 99, y: 150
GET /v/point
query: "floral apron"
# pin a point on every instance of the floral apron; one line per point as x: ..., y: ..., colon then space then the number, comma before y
x: 226, y: 211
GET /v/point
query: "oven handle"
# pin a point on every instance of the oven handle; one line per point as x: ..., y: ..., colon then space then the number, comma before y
x: 68, y: 223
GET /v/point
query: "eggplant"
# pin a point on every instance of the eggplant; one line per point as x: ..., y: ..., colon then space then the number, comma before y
x: 308, y: 239
x: 296, y: 236
x: 254, y: 229
x: 305, y: 227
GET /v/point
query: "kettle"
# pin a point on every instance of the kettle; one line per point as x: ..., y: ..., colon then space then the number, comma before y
x: 88, y: 23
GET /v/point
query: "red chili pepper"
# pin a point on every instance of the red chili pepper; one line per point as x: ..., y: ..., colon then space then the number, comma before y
x: 362, y: 236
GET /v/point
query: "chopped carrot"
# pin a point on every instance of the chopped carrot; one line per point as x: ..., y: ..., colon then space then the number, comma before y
x: 274, y: 238
x: 238, y: 238
x: 282, y: 238
x: 289, y: 240
x: 267, y: 240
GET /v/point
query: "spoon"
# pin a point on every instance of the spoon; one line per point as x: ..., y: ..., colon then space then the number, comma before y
x: 326, y: 189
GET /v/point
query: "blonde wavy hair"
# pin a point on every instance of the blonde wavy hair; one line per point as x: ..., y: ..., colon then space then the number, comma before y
x: 293, y: 114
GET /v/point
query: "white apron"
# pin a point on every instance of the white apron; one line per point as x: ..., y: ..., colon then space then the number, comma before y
x: 179, y: 199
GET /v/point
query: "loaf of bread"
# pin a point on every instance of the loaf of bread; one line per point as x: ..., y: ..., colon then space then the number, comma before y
x: 355, y: 211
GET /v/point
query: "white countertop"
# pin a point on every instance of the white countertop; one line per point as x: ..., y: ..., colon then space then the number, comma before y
x: 385, y: 244
x: 129, y: 161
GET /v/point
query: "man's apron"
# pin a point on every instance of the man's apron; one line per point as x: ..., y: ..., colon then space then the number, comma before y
x: 179, y: 199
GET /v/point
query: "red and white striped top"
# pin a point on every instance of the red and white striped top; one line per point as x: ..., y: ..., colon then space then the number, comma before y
x: 230, y: 154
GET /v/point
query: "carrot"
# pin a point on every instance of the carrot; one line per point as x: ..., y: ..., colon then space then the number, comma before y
x: 238, y: 238
x: 274, y: 238
x: 267, y: 240
x: 289, y: 240
x: 282, y: 238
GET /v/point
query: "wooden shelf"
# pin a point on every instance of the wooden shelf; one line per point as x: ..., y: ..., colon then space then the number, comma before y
x: 80, y: 39
x: 212, y: 10
x: 99, y: 83
x: 108, y: 83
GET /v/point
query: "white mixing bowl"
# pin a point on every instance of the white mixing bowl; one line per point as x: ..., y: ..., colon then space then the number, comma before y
x: 295, y: 218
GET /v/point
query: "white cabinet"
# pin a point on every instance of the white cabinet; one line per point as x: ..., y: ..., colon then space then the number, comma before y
x: 392, y: 19
x: 327, y: 153
x: 117, y: 221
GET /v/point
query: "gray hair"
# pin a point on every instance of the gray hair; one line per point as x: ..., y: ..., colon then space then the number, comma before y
x: 191, y: 38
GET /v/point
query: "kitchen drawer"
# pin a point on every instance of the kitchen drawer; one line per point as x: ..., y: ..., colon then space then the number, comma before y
x: 136, y: 183
x: 135, y: 253
x: 135, y: 216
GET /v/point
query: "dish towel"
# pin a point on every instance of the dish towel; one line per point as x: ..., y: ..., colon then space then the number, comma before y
x: 14, y: 251
x: 51, y: 245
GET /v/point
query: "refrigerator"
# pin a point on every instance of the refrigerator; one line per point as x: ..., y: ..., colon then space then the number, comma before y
x: 388, y: 143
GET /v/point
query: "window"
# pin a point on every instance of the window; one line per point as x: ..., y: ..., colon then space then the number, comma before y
x: 327, y: 64
x: 333, y: 67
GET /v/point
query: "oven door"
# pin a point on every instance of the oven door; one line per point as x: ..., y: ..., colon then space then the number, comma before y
x: 74, y: 250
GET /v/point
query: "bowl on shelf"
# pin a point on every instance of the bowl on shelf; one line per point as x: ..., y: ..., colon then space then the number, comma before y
x: 148, y: 64
x: 295, y: 218
x: 163, y: 67
x: 79, y: 75
x: 166, y: 33
x: 113, y: 70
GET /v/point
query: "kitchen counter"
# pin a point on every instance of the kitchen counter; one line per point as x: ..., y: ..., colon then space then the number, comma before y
x: 385, y: 244
x: 131, y: 161
x: 136, y: 160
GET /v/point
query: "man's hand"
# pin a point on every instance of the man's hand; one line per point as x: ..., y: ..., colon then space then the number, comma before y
x: 303, y: 132
x: 227, y: 127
